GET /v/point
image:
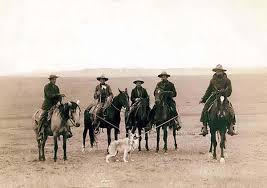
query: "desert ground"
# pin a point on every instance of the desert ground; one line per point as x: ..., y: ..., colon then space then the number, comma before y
x: 189, y: 166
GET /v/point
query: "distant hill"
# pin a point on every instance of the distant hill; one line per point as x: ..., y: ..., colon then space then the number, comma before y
x: 141, y: 72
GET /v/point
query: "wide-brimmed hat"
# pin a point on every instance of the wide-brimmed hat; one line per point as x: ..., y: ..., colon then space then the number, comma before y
x: 138, y: 80
x: 52, y: 76
x: 102, y: 77
x: 164, y: 73
x: 219, y: 67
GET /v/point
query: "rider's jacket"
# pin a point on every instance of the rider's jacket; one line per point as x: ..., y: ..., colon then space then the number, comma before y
x: 138, y: 92
x: 102, y: 92
x: 51, y: 96
x: 218, y: 83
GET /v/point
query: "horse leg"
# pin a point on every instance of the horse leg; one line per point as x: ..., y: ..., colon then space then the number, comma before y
x: 174, y: 138
x: 84, y: 135
x: 91, y: 134
x: 55, y: 147
x: 158, y: 138
x: 116, y: 134
x: 214, y: 143
x: 109, y: 139
x: 65, y: 147
x: 42, y: 146
x: 39, y: 149
x: 211, y: 145
x: 222, y: 145
x: 127, y: 132
x: 165, y: 136
x: 146, y: 137
x: 140, y: 137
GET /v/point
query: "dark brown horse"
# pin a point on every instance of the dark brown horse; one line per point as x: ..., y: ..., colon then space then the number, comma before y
x: 139, y: 119
x: 110, y: 121
x: 219, y: 120
x: 163, y: 119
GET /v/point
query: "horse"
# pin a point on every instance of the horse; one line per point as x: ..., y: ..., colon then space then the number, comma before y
x: 163, y: 118
x: 62, y: 118
x: 110, y: 121
x: 139, y: 119
x: 218, y: 121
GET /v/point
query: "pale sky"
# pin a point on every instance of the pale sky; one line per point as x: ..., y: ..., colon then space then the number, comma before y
x: 51, y: 35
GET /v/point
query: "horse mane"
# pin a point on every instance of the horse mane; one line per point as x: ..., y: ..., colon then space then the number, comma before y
x: 65, y: 108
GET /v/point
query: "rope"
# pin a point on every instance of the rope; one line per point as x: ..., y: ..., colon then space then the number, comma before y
x: 114, y: 126
x: 163, y: 123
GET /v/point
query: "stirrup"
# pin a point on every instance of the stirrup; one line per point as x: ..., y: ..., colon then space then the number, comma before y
x: 204, y: 133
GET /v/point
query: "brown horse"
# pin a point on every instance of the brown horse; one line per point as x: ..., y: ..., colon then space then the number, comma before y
x: 219, y: 121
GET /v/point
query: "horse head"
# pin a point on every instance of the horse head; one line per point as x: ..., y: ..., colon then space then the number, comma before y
x: 162, y: 110
x: 222, y: 110
x: 123, y: 98
x: 74, y: 113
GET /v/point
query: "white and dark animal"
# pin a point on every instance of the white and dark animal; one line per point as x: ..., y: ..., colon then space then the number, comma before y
x: 63, y: 116
x: 126, y: 145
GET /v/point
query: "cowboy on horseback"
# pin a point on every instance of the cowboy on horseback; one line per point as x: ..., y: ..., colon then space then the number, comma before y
x: 51, y: 97
x: 167, y: 87
x: 103, y: 94
x: 138, y: 93
x: 222, y: 84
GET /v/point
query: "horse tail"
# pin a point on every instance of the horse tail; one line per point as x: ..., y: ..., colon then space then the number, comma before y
x: 35, y: 120
x: 88, y: 125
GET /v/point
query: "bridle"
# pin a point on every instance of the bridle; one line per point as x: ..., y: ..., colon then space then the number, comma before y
x: 71, y: 115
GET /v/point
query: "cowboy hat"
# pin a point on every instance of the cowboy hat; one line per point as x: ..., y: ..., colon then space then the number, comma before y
x: 102, y: 77
x: 52, y: 76
x: 219, y: 67
x: 163, y: 74
x: 138, y: 80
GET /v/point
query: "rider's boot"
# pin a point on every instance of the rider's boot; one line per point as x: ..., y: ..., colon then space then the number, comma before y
x: 41, y: 129
x: 178, y: 126
x: 231, y: 130
x: 204, y: 130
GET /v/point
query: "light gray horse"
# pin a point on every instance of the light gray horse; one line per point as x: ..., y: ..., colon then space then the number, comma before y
x: 63, y: 117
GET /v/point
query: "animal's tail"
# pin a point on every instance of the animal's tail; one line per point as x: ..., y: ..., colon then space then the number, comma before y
x: 88, y: 124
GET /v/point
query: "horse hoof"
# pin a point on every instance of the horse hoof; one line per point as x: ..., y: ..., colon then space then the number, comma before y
x: 65, y: 159
x: 210, y: 156
x: 55, y: 160
x: 215, y: 158
x: 147, y: 149
x: 222, y: 161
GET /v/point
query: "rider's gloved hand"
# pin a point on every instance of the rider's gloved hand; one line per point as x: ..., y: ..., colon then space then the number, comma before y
x: 137, y: 99
x: 201, y: 101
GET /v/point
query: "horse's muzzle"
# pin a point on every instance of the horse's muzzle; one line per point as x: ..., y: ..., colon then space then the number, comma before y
x: 77, y: 125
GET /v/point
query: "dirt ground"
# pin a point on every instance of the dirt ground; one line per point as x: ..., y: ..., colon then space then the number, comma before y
x: 189, y: 166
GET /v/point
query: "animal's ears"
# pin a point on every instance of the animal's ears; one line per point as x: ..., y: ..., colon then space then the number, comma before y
x: 78, y: 102
x: 69, y: 103
x: 126, y: 90
x: 119, y: 90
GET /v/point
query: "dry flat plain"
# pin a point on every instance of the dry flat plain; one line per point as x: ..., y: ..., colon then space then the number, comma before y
x: 189, y: 166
